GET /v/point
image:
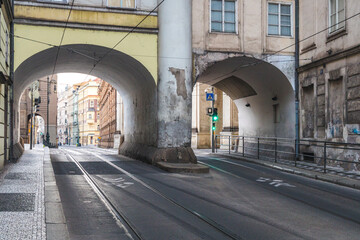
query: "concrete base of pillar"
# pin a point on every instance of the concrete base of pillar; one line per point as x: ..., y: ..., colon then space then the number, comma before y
x: 137, y: 151
x: 153, y: 155
x: 175, y: 155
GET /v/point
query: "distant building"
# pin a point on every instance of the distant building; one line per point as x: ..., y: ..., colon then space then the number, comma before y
x: 40, y: 87
x: 62, y: 117
x: 88, y: 112
x: 111, y: 116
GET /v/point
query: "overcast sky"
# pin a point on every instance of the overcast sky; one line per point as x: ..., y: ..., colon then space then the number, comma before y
x: 70, y: 79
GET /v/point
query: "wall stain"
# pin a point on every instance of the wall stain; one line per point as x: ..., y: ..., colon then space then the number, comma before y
x: 180, y: 81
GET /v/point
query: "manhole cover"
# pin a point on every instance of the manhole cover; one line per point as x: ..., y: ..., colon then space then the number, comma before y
x: 17, y: 202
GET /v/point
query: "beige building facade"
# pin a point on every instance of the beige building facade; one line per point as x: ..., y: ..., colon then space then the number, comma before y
x: 111, y: 112
x: 238, y: 48
x: 330, y: 83
x: 88, y: 109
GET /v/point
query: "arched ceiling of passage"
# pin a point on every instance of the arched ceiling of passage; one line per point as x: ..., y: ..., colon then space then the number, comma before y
x: 241, y: 77
x: 123, y: 72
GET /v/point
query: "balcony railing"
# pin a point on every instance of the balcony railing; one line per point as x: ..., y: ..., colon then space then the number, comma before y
x: 314, y: 155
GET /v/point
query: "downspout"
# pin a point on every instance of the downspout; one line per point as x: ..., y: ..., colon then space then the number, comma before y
x: 297, y: 119
x: 12, y: 84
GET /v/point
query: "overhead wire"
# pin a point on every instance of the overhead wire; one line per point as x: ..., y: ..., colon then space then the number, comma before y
x: 62, y: 38
x: 123, y: 38
x: 97, y: 61
x: 260, y: 60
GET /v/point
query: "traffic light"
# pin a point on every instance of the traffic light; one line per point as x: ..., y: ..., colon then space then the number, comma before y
x: 215, y: 116
x: 213, y: 127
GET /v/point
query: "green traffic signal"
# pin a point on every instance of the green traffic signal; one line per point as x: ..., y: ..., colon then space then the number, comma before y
x: 213, y: 127
x: 215, y: 115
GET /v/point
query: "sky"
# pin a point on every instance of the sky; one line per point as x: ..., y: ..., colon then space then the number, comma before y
x: 70, y: 79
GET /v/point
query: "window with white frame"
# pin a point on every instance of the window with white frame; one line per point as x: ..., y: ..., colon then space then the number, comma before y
x: 223, y: 16
x: 121, y: 3
x: 336, y: 15
x: 91, y: 103
x: 279, y: 19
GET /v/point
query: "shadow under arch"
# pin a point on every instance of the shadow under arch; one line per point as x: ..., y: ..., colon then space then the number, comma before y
x: 253, y: 84
x: 127, y: 75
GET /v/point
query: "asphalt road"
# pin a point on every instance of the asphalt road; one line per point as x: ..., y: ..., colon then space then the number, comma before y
x: 244, y: 200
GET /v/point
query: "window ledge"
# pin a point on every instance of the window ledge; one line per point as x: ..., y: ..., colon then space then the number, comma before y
x: 308, y: 48
x: 224, y: 33
x: 279, y: 36
x: 336, y: 35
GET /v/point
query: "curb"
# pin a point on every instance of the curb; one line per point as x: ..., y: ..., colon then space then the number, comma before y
x: 56, y: 227
x: 182, y: 167
x: 343, y: 181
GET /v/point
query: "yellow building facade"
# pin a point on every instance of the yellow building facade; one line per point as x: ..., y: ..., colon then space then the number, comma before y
x: 6, y: 17
x: 89, y: 130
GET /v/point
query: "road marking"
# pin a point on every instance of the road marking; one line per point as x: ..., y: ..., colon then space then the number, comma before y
x: 274, y: 182
x: 119, y: 182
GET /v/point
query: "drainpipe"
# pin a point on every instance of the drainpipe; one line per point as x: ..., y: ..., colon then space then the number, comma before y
x: 12, y: 119
x: 297, y: 125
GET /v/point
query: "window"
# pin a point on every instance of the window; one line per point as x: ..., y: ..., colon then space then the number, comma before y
x: 121, y: 3
x: 279, y: 19
x: 90, y: 116
x: 91, y: 103
x: 223, y: 18
x: 336, y: 15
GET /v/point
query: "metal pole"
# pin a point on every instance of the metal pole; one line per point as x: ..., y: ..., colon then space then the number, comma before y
x: 243, y: 145
x: 275, y: 150
x: 324, y: 157
x: 31, y: 118
x: 47, y: 114
x: 297, y: 119
x: 297, y: 153
x: 212, y: 122
x: 229, y: 143
x: 12, y: 117
x: 216, y: 144
x: 258, y: 148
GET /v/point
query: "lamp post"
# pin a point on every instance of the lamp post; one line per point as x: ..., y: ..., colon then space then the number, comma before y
x: 47, y: 113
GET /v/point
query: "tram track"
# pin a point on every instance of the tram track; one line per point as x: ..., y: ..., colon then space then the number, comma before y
x: 133, y: 231
x: 285, y: 194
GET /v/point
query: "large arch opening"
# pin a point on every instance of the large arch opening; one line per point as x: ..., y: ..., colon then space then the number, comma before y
x: 127, y: 75
x: 263, y: 94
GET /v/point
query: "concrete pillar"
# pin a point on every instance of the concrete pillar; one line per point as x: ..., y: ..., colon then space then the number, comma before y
x: 175, y: 82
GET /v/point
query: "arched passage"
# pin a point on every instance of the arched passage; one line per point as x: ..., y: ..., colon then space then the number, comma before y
x: 126, y: 74
x: 262, y: 93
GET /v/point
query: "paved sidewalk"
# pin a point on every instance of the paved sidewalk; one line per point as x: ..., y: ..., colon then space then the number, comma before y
x: 22, y: 210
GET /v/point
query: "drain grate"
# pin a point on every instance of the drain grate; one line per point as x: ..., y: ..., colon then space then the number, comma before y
x: 19, y: 176
x: 17, y: 202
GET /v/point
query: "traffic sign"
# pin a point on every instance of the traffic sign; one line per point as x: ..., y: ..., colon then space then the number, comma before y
x: 209, y: 96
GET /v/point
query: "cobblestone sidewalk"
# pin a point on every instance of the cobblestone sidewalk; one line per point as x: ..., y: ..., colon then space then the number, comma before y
x: 22, y: 209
